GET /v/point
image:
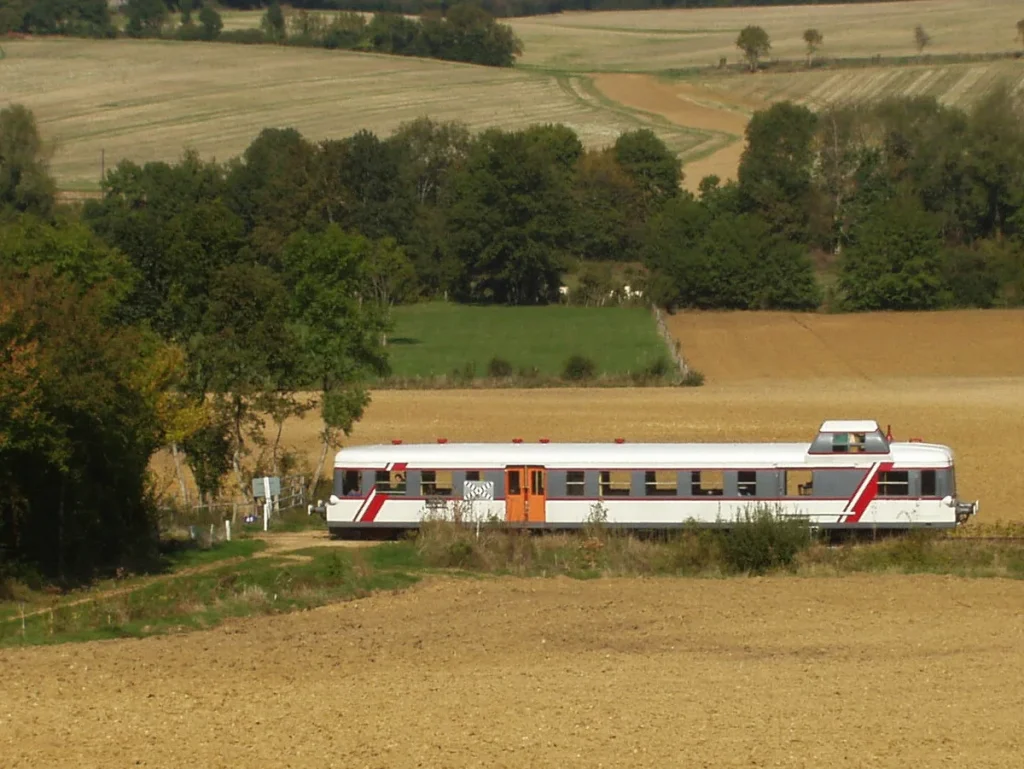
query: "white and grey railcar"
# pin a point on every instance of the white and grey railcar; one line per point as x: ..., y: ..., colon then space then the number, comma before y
x: 851, y: 476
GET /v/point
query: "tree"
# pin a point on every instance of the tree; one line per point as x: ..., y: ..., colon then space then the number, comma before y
x: 273, y: 188
x: 894, y: 261
x: 71, y: 251
x: 186, y: 12
x: 755, y: 43
x: 389, y: 276
x: 80, y: 419
x: 775, y: 168
x: 146, y: 18
x: 652, y: 166
x: 1020, y: 31
x: 428, y: 151
x: 25, y: 181
x: 510, y: 219
x: 272, y: 23
x: 361, y: 185
x: 172, y: 223
x: 340, y: 336
x: 921, y: 39
x: 245, y: 351
x: 813, y: 38
x: 609, y: 209
x: 210, y: 21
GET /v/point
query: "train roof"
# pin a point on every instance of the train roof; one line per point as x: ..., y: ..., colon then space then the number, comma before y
x: 609, y: 456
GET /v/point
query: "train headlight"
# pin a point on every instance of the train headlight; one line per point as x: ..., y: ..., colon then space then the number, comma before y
x: 333, y: 499
x: 948, y: 501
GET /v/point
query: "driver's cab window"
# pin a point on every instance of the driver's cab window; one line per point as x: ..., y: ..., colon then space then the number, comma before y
x: 350, y: 483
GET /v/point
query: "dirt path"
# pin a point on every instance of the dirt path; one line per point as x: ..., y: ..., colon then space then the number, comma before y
x: 691, y: 106
x: 279, y: 545
x: 861, y: 671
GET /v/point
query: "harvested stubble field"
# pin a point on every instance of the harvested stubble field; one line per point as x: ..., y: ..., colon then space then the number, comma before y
x: 884, y: 671
x: 655, y: 40
x: 149, y: 100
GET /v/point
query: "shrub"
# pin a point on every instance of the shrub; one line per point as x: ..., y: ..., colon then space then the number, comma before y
x: 761, y: 541
x: 246, y: 36
x: 579, y: 368
x: 499, y: 368
x: 464, y: 373
x: 692, y: 378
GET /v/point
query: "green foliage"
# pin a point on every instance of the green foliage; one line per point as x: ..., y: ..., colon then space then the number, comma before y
x: 210, y: 22
x: 813, y: 38
x: 272, y: 23
x: 25, y: 182
x: 895, y: 260
x: 713, y: 258
x: 579, y: 368
x: 146, y: 18
x: 776, y: 166
x: 653, y: 168
x: 79, y: 18
x: 921, y: 38
x: 761, y: 540
x: 755, y: 44
x: 79, y: 421
x: 510, y: 218
x: 499, y: 368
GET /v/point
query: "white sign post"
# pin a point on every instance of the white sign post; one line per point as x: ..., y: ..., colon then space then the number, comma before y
x: 266, y: 503
x: 266, y: 487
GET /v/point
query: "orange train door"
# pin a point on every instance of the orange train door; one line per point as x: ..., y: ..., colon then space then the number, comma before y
x: 537, y: 495
x: 525, y: 494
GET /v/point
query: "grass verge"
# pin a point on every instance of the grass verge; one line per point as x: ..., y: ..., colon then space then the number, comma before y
x: 257, y: 586
x: 199, y: 598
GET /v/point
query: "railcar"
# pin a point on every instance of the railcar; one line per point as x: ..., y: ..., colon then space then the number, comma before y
x: 850, y: 476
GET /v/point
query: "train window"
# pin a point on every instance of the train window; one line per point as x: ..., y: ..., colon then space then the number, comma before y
x: 350, y: 483
x: 614, y: 483
x: 391, y: 482
x: 895, y: 483
x: 574, y: 483
x: 707, y: 483
x: 799, y: 483
x: 514, y: 487
x: 746, y: 483
x: 436, y: 483
x: 928, y: 483
x: 660, y: 483
x: 473, y: 475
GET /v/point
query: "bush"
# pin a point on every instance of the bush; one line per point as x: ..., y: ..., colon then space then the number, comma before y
x: 692, y: 378
x: 761, y: 541
x: 579, y: 368
x: 499, y: 368
x: 245, y: 36
x: 464, y: 373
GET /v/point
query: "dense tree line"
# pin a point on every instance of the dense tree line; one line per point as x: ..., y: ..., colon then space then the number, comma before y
x: 512, y: 8
x: 462, y: 32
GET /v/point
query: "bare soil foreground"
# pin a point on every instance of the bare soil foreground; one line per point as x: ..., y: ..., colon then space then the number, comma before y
x: 861, y: 671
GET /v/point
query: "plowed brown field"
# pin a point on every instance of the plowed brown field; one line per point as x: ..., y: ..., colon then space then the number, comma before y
x: 853, y: 672
x: 740, y: 346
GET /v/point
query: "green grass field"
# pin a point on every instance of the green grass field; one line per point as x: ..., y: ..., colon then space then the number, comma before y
x: 434, y: 339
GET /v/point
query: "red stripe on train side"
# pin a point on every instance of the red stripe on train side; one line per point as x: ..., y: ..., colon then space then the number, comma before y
x: 375, y: 505
x: 860, y: 504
